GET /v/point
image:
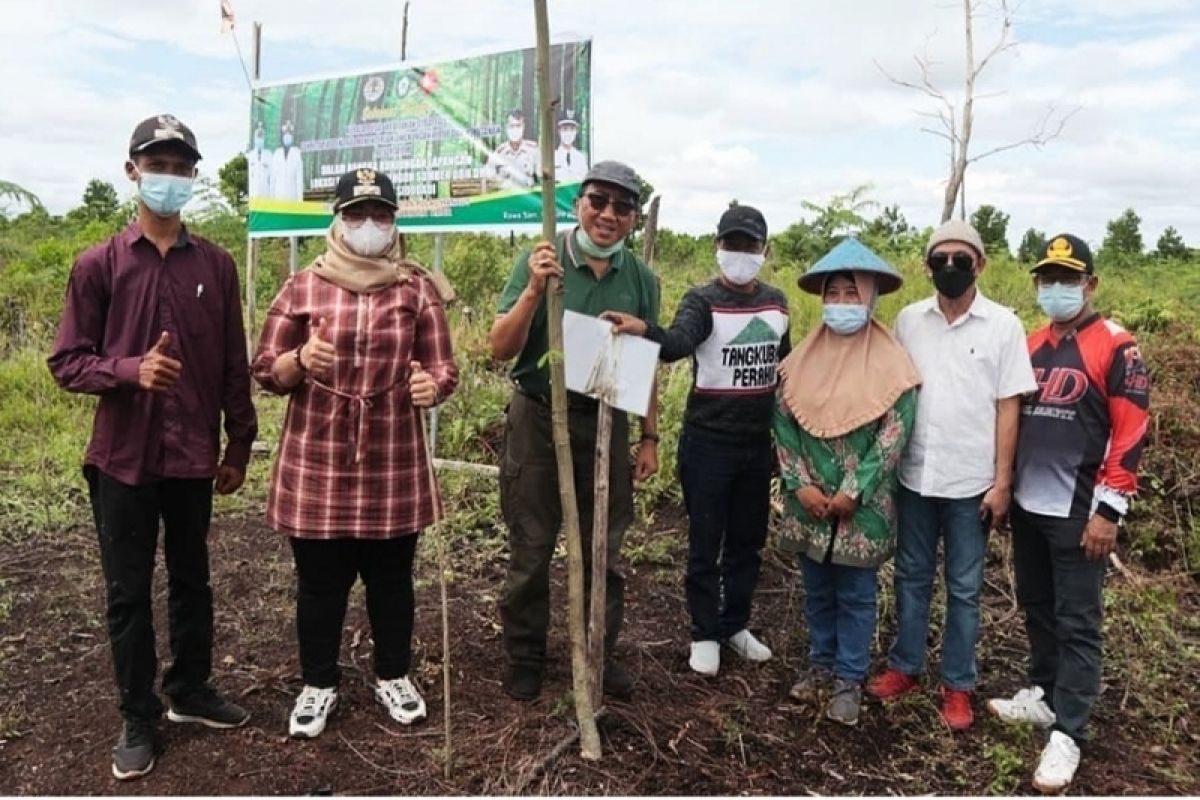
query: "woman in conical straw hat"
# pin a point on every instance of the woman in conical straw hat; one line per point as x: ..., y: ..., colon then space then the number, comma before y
x: 846, y: 403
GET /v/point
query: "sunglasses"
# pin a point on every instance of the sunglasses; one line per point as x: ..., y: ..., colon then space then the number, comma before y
x: 600, y: 201
x: 962, y: 261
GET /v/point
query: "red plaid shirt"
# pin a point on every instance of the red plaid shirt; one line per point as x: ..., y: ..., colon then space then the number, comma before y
x: 352, y: 456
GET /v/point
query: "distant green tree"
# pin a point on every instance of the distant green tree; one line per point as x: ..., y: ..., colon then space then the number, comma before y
x: 888, y: 229
x: 843, y: 215
x: 1171, y: 246
x: 100, y: 201
x: 1123, y: 243
x: 1033, y: 244
x: 15, y: 197
x: 234, y: 177
x: 645, y: 194
x: 992, y: 224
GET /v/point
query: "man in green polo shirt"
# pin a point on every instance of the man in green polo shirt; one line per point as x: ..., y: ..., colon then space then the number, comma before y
x: 598, y: 274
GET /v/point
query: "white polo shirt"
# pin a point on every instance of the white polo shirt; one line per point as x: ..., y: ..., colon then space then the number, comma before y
x: 965, y: 366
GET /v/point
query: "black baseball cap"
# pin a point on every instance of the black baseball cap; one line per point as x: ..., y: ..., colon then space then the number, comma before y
x: 1067, y: 250
x: 362, y: 184
x: 159, y: 129
x: 616, y: 173
x: 743, y: 219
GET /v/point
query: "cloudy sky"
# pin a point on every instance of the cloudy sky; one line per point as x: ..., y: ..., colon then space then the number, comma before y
x: 770, y: 101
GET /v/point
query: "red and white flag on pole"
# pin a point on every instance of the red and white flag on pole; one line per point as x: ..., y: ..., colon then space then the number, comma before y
x: 227, y: 18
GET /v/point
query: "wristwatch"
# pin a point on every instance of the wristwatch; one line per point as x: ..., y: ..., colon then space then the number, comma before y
x: 299, y: 361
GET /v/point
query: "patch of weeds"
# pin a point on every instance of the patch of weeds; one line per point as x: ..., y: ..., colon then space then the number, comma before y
x: 661, y: 548
x: 1007, y: 767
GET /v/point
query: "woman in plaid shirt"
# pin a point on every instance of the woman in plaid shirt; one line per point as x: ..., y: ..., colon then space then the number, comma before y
x: 360, y: 342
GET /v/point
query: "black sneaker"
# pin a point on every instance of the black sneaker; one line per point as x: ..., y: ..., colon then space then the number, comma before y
x: 618, y: 682
x: 133, y: 756
x: 208, y: 708
x: 523, y: 681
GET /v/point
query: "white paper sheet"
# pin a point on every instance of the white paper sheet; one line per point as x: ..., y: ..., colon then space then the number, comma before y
x: 619, y: 369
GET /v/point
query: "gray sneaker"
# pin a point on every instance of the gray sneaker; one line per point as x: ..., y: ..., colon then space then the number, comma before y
x: 846, y: 702
x: 811, y: 683
x: 133, y: 756
x: 205, y: 706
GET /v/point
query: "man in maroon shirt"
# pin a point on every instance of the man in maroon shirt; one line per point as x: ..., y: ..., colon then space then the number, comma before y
x: 153, y: 325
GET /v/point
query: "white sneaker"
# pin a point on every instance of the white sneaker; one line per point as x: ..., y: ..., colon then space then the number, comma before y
x: 1026, y: 705
x: 749, y: 648
x: 1059, y: 761
x: 401, y: 699
x: 706, y: 657
x: 311, y: 712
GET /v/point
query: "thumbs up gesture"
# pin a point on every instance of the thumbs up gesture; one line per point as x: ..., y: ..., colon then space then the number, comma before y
x: 421, y: 386
x: 317, y: 354
x: 157, y: 371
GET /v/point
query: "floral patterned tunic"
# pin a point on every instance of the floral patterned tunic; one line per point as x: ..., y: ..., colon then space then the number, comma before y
x: 861, y: 463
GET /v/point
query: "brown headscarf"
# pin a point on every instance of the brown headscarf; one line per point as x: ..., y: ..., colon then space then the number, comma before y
x: 834, y: 384
x: 343, y: 267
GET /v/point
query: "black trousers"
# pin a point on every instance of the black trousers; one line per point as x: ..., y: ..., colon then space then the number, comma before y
x: 127, y: 520
x: 1061, y: 592
x: 726, y: 488
x: 326, y: 569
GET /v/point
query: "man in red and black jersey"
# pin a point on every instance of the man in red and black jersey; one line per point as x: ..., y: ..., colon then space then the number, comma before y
x: 1081, y: 437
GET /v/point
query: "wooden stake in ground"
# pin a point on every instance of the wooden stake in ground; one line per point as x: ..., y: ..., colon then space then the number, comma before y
x: 604, y: 423
x: 589, y: 736
x: 439, y: 536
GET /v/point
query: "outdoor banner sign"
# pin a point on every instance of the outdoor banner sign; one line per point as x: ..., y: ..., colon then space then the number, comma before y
x: 457, y: 138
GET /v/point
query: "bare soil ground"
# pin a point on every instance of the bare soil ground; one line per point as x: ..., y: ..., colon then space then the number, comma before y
x: 680, y: 735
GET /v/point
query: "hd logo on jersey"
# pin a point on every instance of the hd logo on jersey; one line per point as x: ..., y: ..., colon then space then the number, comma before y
x: 1061, y: 386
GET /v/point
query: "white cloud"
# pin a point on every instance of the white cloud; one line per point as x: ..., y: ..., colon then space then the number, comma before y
x: 768, y: 101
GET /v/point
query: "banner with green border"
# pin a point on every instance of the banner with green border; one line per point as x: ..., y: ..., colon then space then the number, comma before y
x: 457, y: 138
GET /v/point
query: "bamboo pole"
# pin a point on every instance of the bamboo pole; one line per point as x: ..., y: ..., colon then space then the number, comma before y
x: 604, y: 424
x: 589, y: 736
x: 440, y: 538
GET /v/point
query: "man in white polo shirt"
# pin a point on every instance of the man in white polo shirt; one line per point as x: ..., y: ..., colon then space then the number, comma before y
x: 956, y: 473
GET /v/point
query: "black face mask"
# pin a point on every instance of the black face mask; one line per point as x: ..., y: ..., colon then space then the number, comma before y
x: 953, y: 283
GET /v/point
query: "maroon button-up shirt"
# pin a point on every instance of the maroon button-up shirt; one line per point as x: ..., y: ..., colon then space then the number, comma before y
x: 122, y: 295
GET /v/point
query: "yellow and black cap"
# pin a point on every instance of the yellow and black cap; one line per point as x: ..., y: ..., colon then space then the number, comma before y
x: 362, y: 184
x: 160, y: 129
x: 1067, y: 250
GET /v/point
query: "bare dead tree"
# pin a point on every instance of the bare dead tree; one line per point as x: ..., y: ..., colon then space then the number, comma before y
x: 954, y: 124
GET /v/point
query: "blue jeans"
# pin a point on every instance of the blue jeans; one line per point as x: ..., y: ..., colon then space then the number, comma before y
x: 922, y: 521
x: 839, y: 604
x: 727, y: 491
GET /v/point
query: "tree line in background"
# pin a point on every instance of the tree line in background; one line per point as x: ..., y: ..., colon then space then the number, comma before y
x: 37, y: 248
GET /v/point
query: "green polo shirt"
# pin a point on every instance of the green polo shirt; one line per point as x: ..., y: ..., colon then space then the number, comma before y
x: 628, y: 286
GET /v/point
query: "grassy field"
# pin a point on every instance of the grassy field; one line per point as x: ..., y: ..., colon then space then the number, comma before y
x: 1151, y: 627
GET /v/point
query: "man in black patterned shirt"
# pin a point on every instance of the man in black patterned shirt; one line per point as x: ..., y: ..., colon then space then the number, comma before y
x: 735, y: 328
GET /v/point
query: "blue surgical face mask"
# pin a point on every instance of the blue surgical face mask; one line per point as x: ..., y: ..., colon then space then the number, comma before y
x: 165, y: 195
x: 288, y: 139
x: 844, y: 319
x: 1061, y: 303
x: 259, y: 141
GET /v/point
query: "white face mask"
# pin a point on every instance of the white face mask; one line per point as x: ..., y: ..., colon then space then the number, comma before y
x: 739, y: 268
x: 568, y: 136
x: 516, y: 132
x: 368, y: 239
